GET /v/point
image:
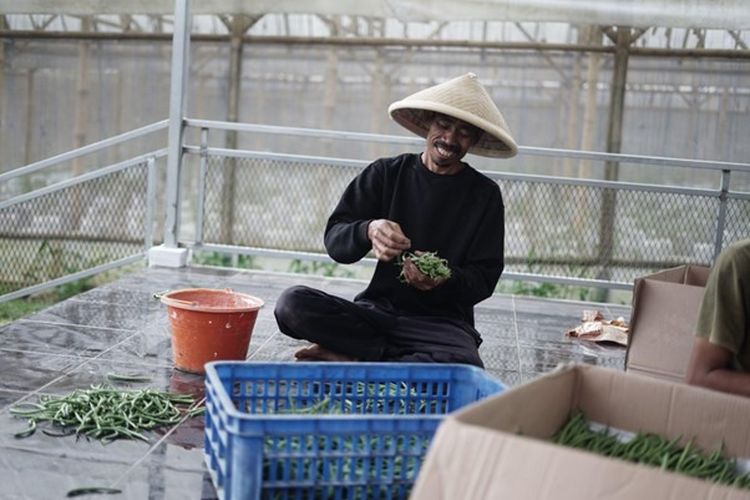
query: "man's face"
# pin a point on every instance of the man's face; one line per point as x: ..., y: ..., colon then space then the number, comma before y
x: 448, y: 141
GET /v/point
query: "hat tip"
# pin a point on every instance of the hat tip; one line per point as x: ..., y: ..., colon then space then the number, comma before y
x: 472, y: 75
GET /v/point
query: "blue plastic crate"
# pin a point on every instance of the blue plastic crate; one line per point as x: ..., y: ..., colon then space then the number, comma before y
x: 328, y: 430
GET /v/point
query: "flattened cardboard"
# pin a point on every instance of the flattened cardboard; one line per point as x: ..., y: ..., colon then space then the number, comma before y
x: 499, y: 447
x: 662, y: 323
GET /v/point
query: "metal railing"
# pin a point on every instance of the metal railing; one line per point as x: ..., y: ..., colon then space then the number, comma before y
x: 563, y: 230
x: 82, y: 225
x: 583, y: 232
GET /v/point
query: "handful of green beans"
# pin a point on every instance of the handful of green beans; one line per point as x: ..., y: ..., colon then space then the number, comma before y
x: 651, y: 449
x: 370, y: 398
x: 428, y: 263
x: 106, y: 413
x: 361, y: 459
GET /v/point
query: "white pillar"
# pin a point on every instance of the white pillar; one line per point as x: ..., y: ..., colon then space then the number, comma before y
x: 169, y: 254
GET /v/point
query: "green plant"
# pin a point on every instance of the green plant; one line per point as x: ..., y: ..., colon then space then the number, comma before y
x: 18, y: 308
x: 222, y: 259
x: 549, y: 290
x: 52, y: 260
x: 545, y: 290
x: 328, y: 269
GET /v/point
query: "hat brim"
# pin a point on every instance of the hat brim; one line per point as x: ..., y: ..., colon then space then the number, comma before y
x: 494, y: 142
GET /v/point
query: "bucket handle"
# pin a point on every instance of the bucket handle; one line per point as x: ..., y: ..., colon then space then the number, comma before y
x: 158, y: 296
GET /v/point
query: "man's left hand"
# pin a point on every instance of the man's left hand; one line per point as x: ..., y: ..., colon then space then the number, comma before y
x: 416, y: 278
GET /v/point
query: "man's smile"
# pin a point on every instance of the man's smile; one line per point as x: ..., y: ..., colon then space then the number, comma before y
x: 445, y: 150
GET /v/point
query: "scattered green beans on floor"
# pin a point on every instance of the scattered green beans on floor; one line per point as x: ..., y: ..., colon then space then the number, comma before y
x: 106, y: 413
x: 654, y: 450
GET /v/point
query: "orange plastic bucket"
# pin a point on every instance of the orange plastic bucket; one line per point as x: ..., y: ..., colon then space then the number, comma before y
x: 209, y: 325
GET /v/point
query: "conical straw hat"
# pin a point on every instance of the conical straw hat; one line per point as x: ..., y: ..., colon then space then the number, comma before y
x: 463, y: 98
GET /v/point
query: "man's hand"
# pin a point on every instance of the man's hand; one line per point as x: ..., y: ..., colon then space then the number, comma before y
x: 416, y: 278
x: 388, y: 241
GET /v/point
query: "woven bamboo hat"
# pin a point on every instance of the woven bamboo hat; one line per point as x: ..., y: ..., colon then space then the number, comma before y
x: 463, y: 98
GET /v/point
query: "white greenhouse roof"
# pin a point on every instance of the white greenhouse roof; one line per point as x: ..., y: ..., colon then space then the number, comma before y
x: 716, y: 14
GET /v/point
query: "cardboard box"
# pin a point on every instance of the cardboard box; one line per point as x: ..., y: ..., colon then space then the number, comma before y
x: 500, y: 448
x: 662, y: 322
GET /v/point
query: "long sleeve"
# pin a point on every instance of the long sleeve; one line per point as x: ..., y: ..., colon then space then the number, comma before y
x: 475, y: 279
x: 346, y: 238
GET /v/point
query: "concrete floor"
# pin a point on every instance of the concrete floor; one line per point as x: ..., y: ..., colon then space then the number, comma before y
x: 120, y: 327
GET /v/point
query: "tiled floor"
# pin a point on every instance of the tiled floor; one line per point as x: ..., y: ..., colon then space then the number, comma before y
x: 120, y: 327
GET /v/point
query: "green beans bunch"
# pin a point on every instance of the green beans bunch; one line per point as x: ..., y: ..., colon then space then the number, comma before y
x: 106, y: 413
x: 428, y: 263
x: 654, y: 450
x: 393, y: 398
x: 362, y: 458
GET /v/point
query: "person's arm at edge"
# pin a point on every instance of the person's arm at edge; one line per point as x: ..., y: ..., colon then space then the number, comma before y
x: 710, y: 366
x: 721, y: 327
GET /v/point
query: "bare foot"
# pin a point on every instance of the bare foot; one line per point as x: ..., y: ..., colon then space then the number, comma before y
x: 317, y: 353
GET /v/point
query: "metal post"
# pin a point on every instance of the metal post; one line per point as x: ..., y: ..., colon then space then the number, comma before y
x: 589, y: 112
x: 200, y: 212
x: 150, y: 202
x: 234, y: 78
x: 722, y: 215
x: 169, y: 254
x: 82, y: 95
x: 237, y: 26
x: 76, y: 195
x: 614, y: 144
x: 29, y: 136
x: 3, y: 99
x: 177, y: 102
x: 593, y: 36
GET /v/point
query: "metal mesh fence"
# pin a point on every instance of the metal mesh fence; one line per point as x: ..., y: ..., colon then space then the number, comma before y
x: 73, y: 229
x: 271, y: 204
x: 598, y: 233
x: 562, y: 230
x: 738, y: 220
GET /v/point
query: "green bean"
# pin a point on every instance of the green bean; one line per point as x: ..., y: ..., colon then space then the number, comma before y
x: 66, y: 433
x: 33, y: 409
x: 196, y: 410
x: 119, y: 377
x: 684, y: 454
x: 28, y: 432
x: 571, y: 429
x: 664, y: 462
x: 328, y: 457
x: 93, y: 490
x: 653, y: 450
x: 103, y: 412
x: 637, y: 447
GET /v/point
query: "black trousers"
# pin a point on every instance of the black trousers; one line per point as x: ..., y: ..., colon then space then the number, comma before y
x: 372, y: 332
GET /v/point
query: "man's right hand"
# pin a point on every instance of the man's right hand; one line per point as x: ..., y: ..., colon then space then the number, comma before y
x: 388, y: 241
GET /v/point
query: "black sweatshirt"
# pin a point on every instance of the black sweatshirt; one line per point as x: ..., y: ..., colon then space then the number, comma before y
x: 461, y: 217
